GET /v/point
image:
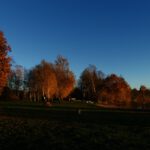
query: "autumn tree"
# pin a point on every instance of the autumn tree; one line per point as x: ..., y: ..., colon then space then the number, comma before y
x: 115, y: 90
x: 51, y: 80
x: 4, y: 61
x: 90, y: 82
x: 65, y: 77
x: 42, y: 81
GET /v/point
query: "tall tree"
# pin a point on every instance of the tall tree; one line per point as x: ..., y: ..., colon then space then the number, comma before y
x: 115, y: 90
x: 142, y: 94
x: 49, y: 84
x: 90, y: 82
x: 65, y: 77
x: 42, y: 81
x: 16, y: 79
x: 4, y: 61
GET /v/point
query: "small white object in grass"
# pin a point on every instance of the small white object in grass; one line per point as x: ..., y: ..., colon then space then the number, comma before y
x: 79, y: 111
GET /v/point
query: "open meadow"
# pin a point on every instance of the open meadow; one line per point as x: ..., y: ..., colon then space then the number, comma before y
x: 27, y: 125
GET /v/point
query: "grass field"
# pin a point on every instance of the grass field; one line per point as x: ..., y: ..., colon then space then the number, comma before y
x: 28, y: 125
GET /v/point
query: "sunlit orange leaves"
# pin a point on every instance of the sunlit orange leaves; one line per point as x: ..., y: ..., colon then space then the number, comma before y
x: 65, y: 78
x: 115, y: 90
x: 51, y: 80
x: 4, y: 61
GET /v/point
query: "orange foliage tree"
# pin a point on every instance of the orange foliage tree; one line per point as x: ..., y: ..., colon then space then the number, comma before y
x: 65, y: 77
x: 42, y: 81
x: 4, y: 61
x: 116, y: 91
x: 51, y: 80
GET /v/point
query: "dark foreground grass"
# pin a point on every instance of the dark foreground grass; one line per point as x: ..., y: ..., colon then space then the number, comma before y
x: 42, y: 134
x: 36, y: 127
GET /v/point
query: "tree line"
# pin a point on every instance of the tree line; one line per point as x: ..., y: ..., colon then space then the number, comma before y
x: 57, y: 81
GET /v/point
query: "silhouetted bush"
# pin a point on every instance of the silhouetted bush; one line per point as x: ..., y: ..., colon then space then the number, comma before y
x: 8, y: 94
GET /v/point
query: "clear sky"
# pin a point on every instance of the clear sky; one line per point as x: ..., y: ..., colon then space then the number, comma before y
x: 114, y: 35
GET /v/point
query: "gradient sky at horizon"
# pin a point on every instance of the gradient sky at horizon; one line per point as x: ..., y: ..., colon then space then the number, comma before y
x: 114, y: 35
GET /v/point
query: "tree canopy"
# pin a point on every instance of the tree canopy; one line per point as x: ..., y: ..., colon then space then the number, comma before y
x: 115, y: 90
x: 90, y: 82
x: 51, y: 80
x: 4, y: 61
x: 56, y: 80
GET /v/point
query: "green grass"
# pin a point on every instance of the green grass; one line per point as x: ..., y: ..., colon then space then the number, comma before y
x: 26, y: 125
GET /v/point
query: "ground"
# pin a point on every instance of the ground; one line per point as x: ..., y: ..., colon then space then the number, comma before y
x: 35, y: 126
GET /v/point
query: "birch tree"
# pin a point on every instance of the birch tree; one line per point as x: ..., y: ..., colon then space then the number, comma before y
x: 65, y: 77
x: 90, y: 82
x: 42, y: 81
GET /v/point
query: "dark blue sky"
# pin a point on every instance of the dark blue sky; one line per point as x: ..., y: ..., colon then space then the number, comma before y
x: 112, y: 34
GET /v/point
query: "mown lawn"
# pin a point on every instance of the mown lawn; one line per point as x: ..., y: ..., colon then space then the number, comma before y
x: 34, y: 126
